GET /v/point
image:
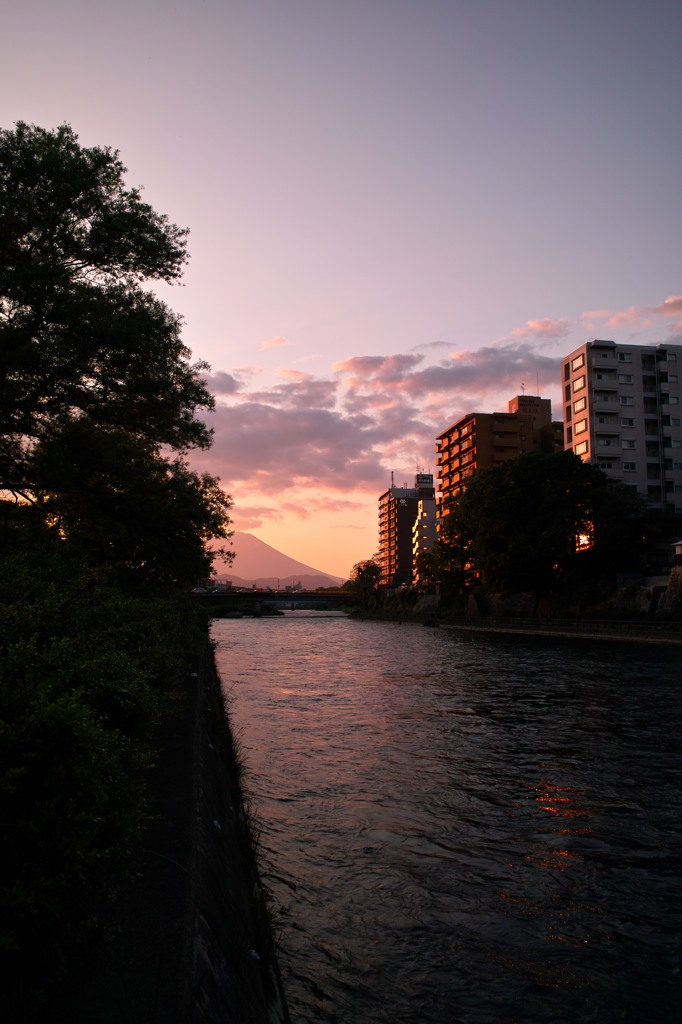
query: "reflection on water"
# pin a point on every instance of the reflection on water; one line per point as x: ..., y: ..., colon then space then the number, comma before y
x: 463, y: 829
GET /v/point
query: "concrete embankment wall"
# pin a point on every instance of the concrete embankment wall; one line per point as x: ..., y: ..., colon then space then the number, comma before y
x: 234, y: 974
x: 188, y: 939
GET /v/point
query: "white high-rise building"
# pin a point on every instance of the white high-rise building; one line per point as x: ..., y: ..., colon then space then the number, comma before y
x: 623, y: 413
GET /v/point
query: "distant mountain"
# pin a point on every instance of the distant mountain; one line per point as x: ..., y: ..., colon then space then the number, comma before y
x: 258, y: 562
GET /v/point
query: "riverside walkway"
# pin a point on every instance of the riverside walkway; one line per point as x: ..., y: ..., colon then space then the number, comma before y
x: 637, y: 631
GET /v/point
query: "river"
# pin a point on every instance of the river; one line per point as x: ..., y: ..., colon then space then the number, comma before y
x: 460, y: 828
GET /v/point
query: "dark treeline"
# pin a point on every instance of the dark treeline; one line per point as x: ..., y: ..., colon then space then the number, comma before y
x: 104, y: 531
x: 547, y: 527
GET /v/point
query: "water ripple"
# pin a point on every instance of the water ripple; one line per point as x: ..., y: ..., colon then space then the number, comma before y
x: 463, y: 828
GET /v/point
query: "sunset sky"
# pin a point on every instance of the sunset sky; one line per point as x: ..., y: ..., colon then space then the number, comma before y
x: 400, y: 211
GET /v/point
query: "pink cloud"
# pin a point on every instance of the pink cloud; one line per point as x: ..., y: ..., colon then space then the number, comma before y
x: 546, y: 328
x: 382, y: 368
x: 303, y: 391
x: 295, y: 375
x: 638, y: 315
x: 633, y: 314
x: 278, y: 342
x: 316, y: 505
x: 379, y: 413
x: 275, y: 448
x: 672, y: 306
x: 596, y: 314
x: 250, y: 517
x: 486, y: 372
x: 222, y: 383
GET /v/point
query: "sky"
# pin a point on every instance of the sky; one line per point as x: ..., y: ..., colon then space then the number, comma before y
x: 400, y: 212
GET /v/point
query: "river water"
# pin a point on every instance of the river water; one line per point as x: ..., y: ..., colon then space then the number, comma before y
x: 463, y: 828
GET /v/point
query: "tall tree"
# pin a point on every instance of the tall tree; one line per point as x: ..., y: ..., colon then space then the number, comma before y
x: 521, y: 524
x: 92, y: 365
x: 105, y: 530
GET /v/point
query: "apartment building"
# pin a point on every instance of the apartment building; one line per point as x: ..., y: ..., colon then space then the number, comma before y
x: 483, y: 439
x: 398, y: 510
x: 622, y: 413
x: 423, y: 532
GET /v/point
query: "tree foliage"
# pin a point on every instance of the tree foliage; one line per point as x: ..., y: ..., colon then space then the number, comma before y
x: 519, y: 524
x: 364, y: 581
x: 87, y: 670
x: 104, y: 528
x: 96, y: 386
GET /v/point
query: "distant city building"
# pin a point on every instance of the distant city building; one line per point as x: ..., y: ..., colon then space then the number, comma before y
x: 423, y: 532
x: 483, y: 439
x: 398, y: 510
x: 622, y: 413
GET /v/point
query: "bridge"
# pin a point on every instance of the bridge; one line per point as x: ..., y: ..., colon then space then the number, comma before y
x: 222, y: 603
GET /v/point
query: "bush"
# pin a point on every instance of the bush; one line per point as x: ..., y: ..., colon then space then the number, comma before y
x: 86, y: 671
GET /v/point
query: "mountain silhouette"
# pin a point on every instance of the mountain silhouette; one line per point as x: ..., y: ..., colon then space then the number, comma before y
x: 258, y: 562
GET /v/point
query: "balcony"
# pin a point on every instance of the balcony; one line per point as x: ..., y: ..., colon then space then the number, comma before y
x: 603, y: 398
x: 605, y: 361
x: 611, y: 427
x: 604, y: 381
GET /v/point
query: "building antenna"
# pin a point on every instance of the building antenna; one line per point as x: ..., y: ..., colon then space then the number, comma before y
x: 391, y: 478
x: 537, y: 382
x: 523, y: 388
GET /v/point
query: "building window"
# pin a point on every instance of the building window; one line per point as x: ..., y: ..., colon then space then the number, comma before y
x: 627, y: 421
x: 581, y: 427
x: 629, y: 444
x: 625, y: 357
x: 625, y: 378
x: 569, y: 434
x: 630, y: 467
x: 604, y: 465
x: 582, y: 448
x: 580, y: 405
x: 579, y: 383
x: 578, y: 361
x: 627, y: 400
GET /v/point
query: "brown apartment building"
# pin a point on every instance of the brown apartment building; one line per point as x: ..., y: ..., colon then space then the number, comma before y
x: 483, y: 439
